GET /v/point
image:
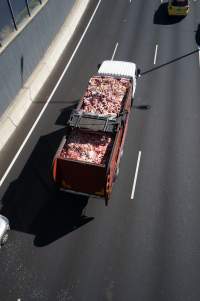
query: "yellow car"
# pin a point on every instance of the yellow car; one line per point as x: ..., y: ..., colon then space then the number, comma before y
x: 178, y: 7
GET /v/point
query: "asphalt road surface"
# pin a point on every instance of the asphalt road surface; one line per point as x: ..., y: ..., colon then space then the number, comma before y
x: 145, y: 246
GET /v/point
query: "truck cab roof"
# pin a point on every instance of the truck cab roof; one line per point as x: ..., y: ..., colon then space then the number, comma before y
x: 118, y: 68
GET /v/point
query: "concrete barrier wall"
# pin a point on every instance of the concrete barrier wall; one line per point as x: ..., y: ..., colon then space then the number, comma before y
x: 22, y: 79
x: 22, y: 55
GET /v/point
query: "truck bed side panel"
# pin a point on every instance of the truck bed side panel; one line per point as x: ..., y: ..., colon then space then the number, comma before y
x: 117, y: 148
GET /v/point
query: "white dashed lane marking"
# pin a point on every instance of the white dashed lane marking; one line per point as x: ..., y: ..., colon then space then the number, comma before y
x: 114, y: 52
x: 136, y: 175
x: 155, y: 55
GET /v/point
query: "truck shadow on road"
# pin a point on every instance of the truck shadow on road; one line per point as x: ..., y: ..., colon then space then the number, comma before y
x: 65, y: 114
x: 161, y: 16
x: 62, y: 214
x: 33, y: 203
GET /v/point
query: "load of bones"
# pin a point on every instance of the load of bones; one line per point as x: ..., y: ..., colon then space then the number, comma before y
x: 104, y: 96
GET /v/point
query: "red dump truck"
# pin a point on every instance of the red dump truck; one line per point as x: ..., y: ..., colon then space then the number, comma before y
x: 87, y: 160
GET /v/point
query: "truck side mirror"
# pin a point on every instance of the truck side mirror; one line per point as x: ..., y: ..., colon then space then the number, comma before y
x: 138, y: 73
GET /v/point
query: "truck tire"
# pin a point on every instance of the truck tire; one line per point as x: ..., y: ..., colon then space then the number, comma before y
x: 117, y: 170
x: 108, y: 196
x: 131, y: 102
x: 116, y: 174
x: 4, y: 238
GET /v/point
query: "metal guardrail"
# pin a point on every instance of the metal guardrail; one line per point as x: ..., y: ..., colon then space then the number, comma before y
x: 15, y: 16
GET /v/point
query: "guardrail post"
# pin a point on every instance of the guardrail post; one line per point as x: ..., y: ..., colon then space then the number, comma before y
x: 12, y: 14
x: 28, y: 8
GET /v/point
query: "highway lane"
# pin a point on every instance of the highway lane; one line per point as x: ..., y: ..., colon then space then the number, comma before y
x: 168, y: 189
x: 141, y: 249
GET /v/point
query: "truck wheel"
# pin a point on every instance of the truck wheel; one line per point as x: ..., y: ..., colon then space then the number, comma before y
x: 4, y: 238
x: 117, y: 171
x: 131, y: 102
x: 108, y: 196
x: 116, y: 174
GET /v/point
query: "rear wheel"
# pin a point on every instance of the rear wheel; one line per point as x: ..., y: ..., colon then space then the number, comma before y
x: 117, y: 171
x: 116, y: 174
x: 108, y: 190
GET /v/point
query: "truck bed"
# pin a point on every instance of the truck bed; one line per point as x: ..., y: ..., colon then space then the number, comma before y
x: 81, y: 163
x: 90, y: 147
x: 105, y: 95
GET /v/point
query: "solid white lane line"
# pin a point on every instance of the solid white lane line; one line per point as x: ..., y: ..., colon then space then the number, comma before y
x: 116, y: 46
x: 199, y: 55
x: 50, y: 97
x: 155, y: 55
x: 136, y: 174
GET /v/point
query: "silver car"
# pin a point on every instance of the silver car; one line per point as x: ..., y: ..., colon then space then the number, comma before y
x: 4, y: 229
